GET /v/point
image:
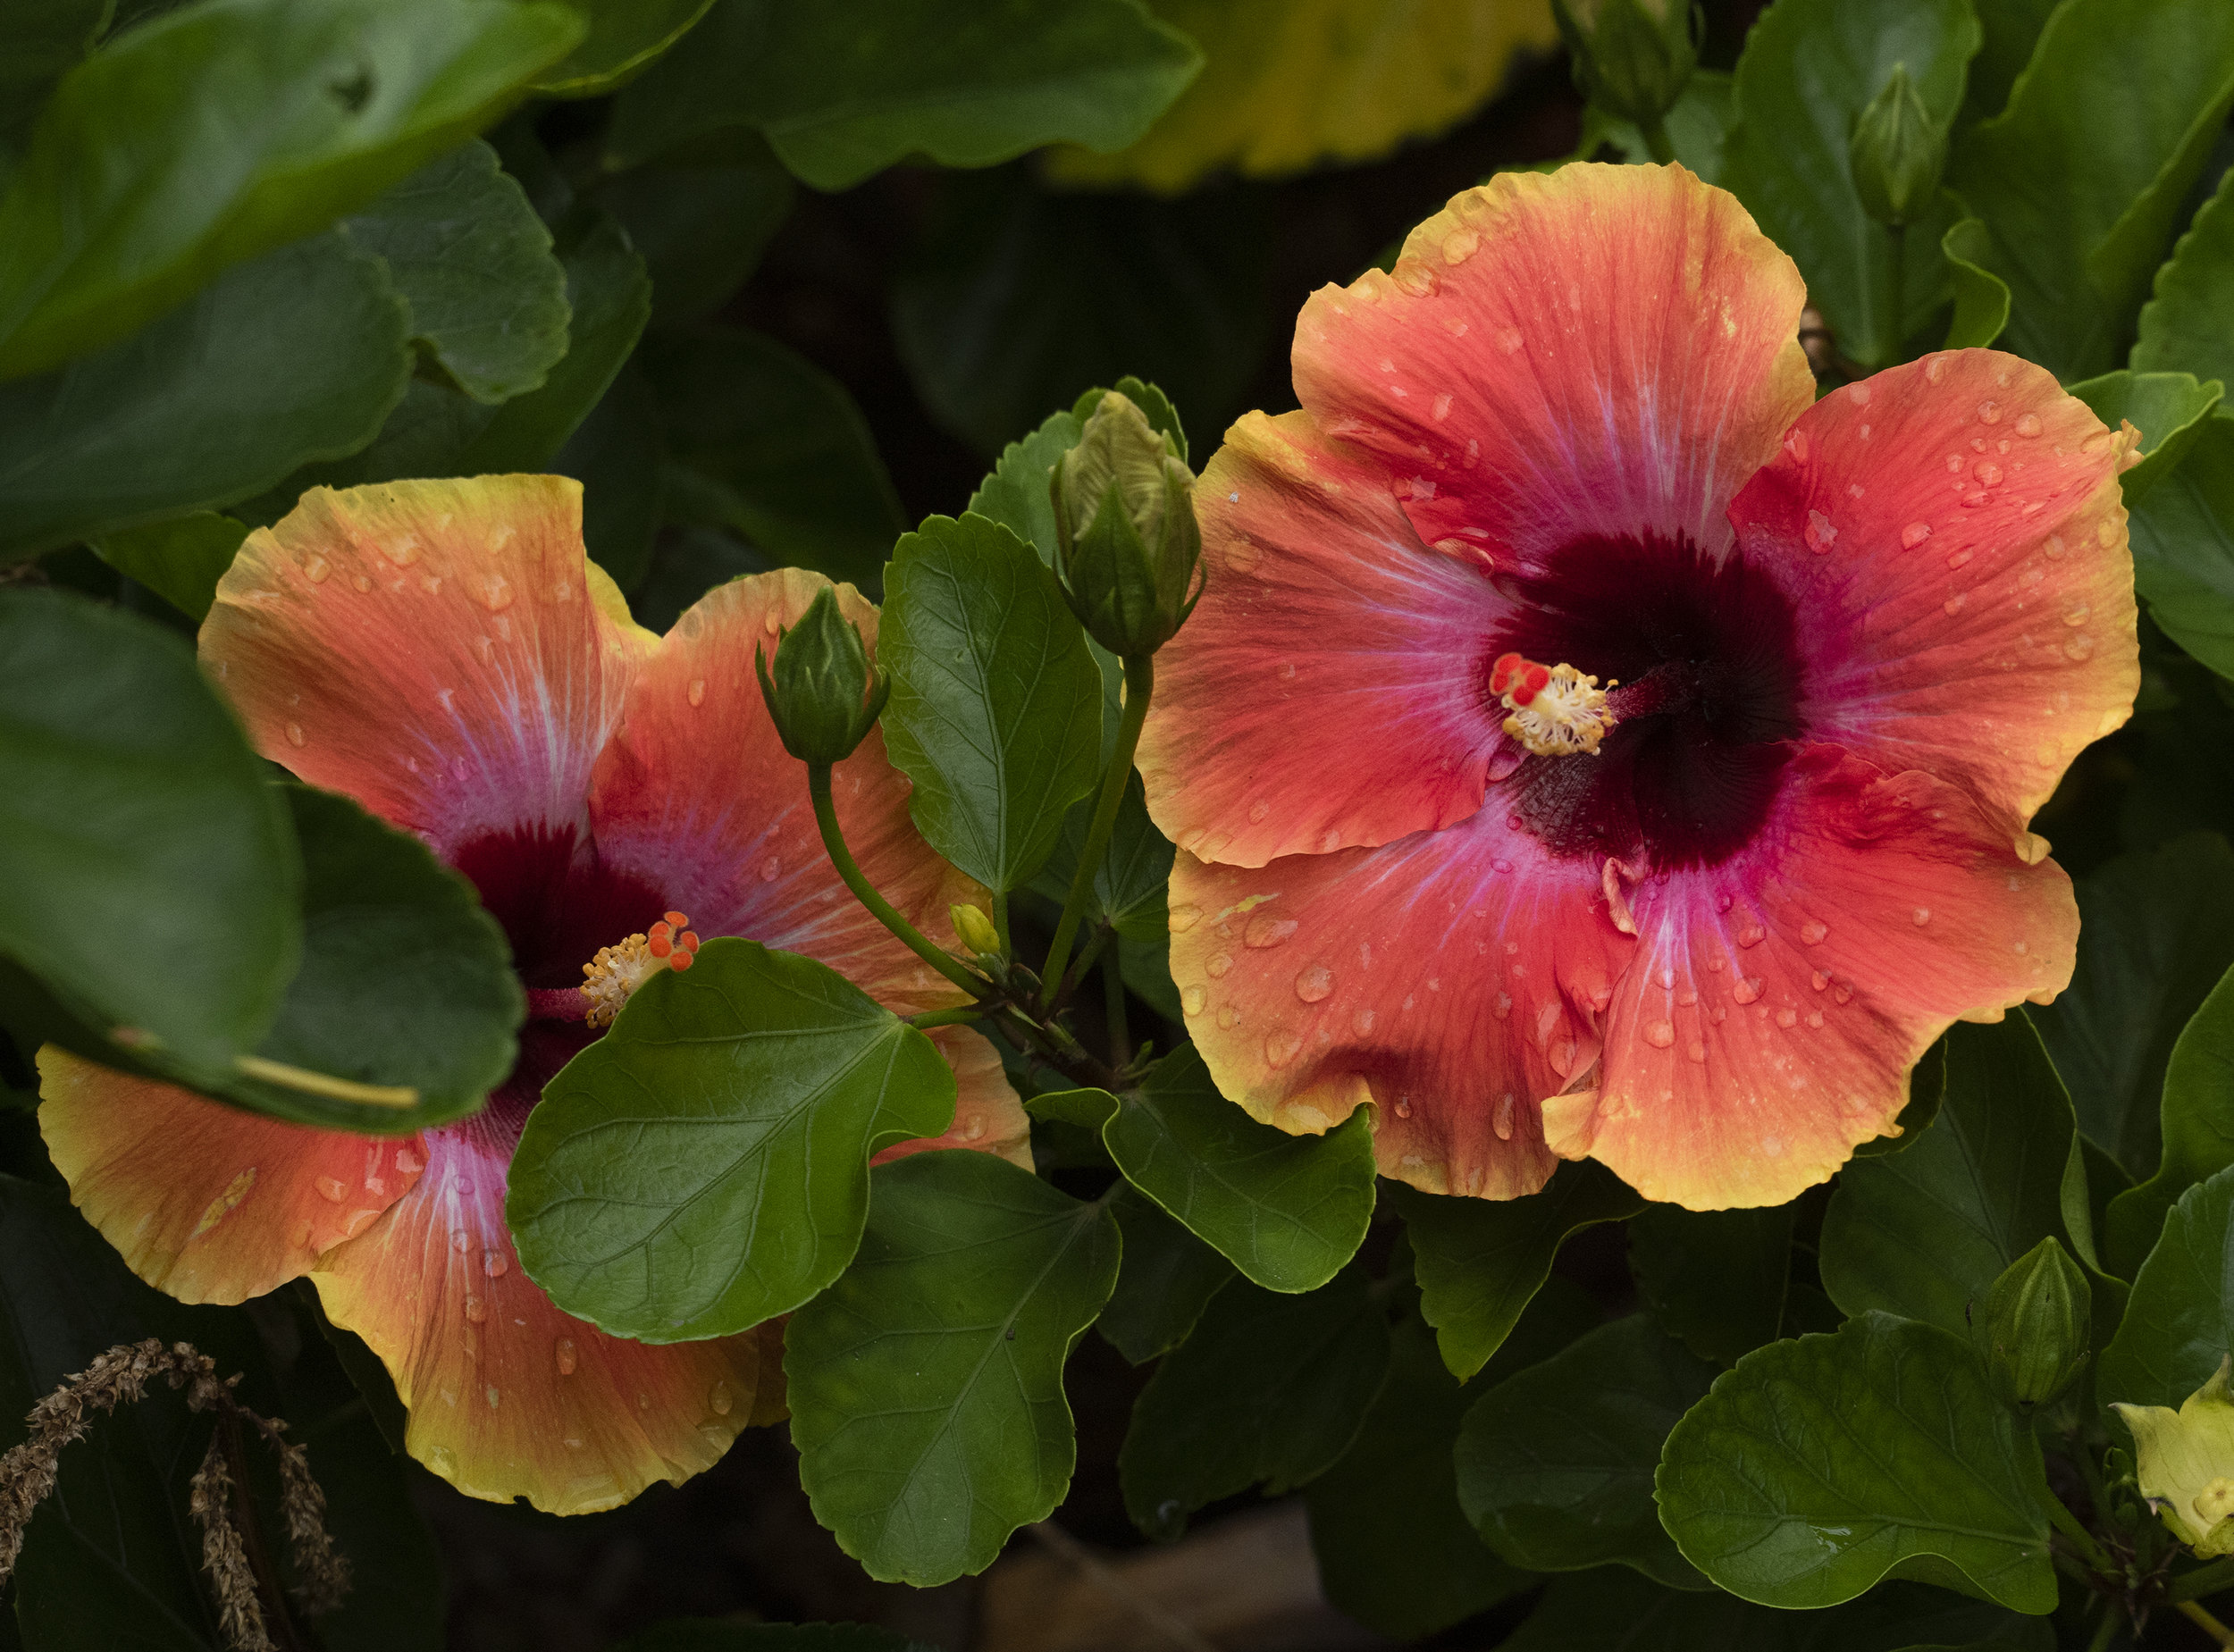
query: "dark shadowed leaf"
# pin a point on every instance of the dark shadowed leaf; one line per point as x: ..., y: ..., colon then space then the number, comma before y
x: 702, y: 219
x: 725, y: 1635
x: 2179, y: 1323
x: 624, y: 37
x: 2198, y: 1130
x: 180, y: 559
x: 2183, y: 548
x: 1168, y: 1277
x: 2188, y: 326
x: 1716, y: 1278
x: 616, y: 454
x: 2012, y: 28
x: 45, y: 39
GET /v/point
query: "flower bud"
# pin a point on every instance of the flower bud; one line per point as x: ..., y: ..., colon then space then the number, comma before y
x: 1128, y: 552
x: 823, y: 695
x: 1897, y: 153
x: 2185, y: 1464
x: 2032, y: 1329
x: 974, y: 929
x: 1632, y: 57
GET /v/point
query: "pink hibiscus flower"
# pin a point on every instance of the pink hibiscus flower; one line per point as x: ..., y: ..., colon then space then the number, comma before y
x: 1696, y: 918
x: 445, y: 653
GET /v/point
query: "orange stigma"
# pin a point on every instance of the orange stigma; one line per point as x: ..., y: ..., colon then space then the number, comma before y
x: 1556, y: 710
x: 618, y: 971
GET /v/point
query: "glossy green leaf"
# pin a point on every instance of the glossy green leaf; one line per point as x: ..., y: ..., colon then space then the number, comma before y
x: 2080, y: 181
x: 1555, y: 1464
x: 1717, y: 1278
x: 2168, y: 408
x: 1394, y: 1549
x: 1168, y: 1277
x: 1698, y: 127
x: 2179, y: 1322
x: 704, y: 1165
x: 784, y: 454
x: 2189, y: 325
x: 1268, y: 1389
x: 1130, y: 891
x: 129, y: 195
x: 1818, y: 1466
x: 2183, y: 548
x: 926, y: 1386
x: 473, y: 262
x: 2198, y: 1129
x: 1981, y: 298
x: 1017, y: 494
x: 180, y: 559
x: 134, y: 807
x: 297, y: 356
x: 1288, y: 1211
x: 995, y: 707
x: 623, y: 38
x: 1479, y: 1261
x: 2155, y: 934
x: 1926, y: 1231
x: 844, y: 89
x: 702, y: 219
x: 1809, y: 69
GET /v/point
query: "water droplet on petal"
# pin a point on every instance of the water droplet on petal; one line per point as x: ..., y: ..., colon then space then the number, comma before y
x: 698, y: 691
x: 1821, y: 535
x: 1746, y: 990
x: 1404, y: 1107
x: 1696, y: 1051
x: 496, y: 1264
x: 1990, y: 412
x: 1280, y: 1048
x: 443, y: 1460
x: 490, y: 1394
x: 718, y: 1399
x: 1183, y: 919
x: 1752, y: 935
x: 1788, y: 1018
x: 294, y: 733
x: 1813, y: 933
x: 1315, y: 984
x: 1660, y: 1035
x: 476, y: 1309
x: 1503, y: 1123
x: 460, y: 1240
x: 1229, y: 1018
x: 569, y: 1358
x: 2028, y: 426
x: 1922, y: 915
x: 1915, y: 534
x: 1267, y: 929
x: 2079, y: 647
x: 2054, y: 547
x: 495, y: 592
x: 1220, y: 962
x: 334, y: 1187
x: 1192, y: 999
x: 1362, y: 1020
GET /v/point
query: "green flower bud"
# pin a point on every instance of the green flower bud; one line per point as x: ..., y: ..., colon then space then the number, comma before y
x: 2032, y: 1329
x: 973, y: 927
x: 1632, y: 57
x: 1128, y: 552
x: 1897, y: 153
x: 2186, y: 1464
x: 823, y: 695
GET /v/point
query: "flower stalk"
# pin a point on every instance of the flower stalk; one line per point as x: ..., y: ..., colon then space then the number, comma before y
x: 1139, y: 683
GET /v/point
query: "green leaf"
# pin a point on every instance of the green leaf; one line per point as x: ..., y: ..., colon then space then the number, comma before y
x: 2155, y: 934
x: 2179, y: 1322
x: 1809, y: 69
x: 2168, y: 408
x: 624, y: 38
x: 1925, y: 1232
x: 295, y: 356
x: 1018, y: 494
x: 1716, y: 1278
x: 844, y: 89
x: 2183, y: 548
x: 473, y: 262
x: 1268, y: 1389
x: 617, y: 453
x: 2081, y: 180
x: 1981, y: 298
x: 45, y: 39
x: 995, y: 707
x: 2188, y: 326
x: 1555, y: 1465
x: 926, y: 1386
x: 179, y: 560
x: 1478, y: 1260
x: 1698, y: 127
x: 704, y: 1165
x: 134, y: 809
x: 1394, y: 1549
x: 1820, y: 1465
x: 1927, y: 1090
x: 2013, y: 29
x: 1168, y: 1277
x: 785, y: 454
x: 133, y: 190
x: 2198, y: 1129
x: 1131, y: 886
x: 728, y: 1635
x: 702, y: 219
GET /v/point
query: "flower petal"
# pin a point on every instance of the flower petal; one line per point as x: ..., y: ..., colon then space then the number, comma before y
x: 444, y: 652
x: 697, y: 797
x: 1328, y: 691
x: 210, y: 1203
x: 1602, y: 350
x: 988, y: 1115
x: 1453, y: 978
x: 1778, y: 1001
x: 1952, y: 534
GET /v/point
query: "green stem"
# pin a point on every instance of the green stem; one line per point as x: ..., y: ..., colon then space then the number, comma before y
x: 2106, y: 1631
x: 1114, y: 996
x: 2067, y: 1522
x: 842, y: 858
x: 1656, y: 140
x: 1895, y: 302
x: 2204, y: 1621
x: 960, y: 1016
x: 2203, y: 1580
x: 1139, y: 682
x: 1000, y: 924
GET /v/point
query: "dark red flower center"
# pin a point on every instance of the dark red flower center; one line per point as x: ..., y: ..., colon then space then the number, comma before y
x: 1710, y: 677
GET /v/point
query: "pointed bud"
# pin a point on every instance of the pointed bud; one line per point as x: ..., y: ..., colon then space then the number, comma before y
x: 973, y: 927
x: 1128, y: 552
x: 824, y: 694
x: 1632, y: 57
x: 2032, y: 1329
x: 2185, y: 1464
x: 1897, y: 153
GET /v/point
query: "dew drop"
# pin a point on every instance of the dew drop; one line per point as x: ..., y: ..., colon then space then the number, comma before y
x: 1953, y: 605
x: 1746, y: 990
x: 476, y: 1309
x: 1265, y: 929
x: 492, y: 1396
x: 1660, y: 1035
x: 495, y: 592
x: 1990, y: 412
x: 1508, y: 340
x: 718, y: 1399
x: 1362, y: 1020
x: 1914, y: 534
x: 1821, y: 535
x: 1220, y: 962
x: 1192, y: 999
x: 1752, y: 935
x: 362, y: 582
x: 334, y: 1187
x: 1821, y: 980
x: 1229, y: 1018
x: 1696, y: 1051
x: 2028, y: 426
x: 318, y: 568
x: 1813, y: 933
x: 1954, y: 464
x: 1815, y: 1018
x: 567, y: 1355
x: 2076, y: 615
x: 1258, y: 810
x: 496, y: 1264
x: 1986, y: 472
x: 2078, y: 647
x: 443, y: 1460
x: 1922, y: 916
x: 1183, y: 919
x: 1502, y: 1123
x: 1280, y: 1048
x: 294, y: 733
x: 698, y: 691
x: 2054, y: 547
x: 460, y: 1240
x: 1788, y: 1018
x: 1843, y: 993
x: 1404, y: 1107
x: 1955, y: 559
x: 1315, y: 984
x: 1501, y: 864
x: 771, y: 869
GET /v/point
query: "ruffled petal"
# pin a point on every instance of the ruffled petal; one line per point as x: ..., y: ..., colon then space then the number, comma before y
x: 1453, y: 978
x: 988, y: 1117
x: 1954, y: 538
x: 696, y: 796
x: 444, y: 652
x: 207, y: 1202
x: 509, y: 1396
x: 1328, y: 692
x: 1598, y: 351
x: 1777, y: 1002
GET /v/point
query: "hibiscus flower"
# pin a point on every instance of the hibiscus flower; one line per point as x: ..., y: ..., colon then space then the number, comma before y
x: 1590, y: 743
x: 445, y: 653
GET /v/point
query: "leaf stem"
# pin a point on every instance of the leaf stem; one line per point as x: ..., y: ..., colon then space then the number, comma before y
x: 960, y: 1016
x: 1656, y: 141
x: 1139, y: 683
x: 2067, y: 1522
x: 842, y: 858
x: 291, y: 1077
x: 2203, y: 1580
x: 2106, y: 1631
x: 1113, y: 997
x: 2204, y: 1621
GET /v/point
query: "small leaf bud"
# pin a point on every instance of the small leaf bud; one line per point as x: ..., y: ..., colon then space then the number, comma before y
x: 974, y: 929
x: 1632, y: 57
x: 824, y: 694
x: 1897, y: 153
x: 1128, y: 549
x: 2185, y: 1464
x: 2031, y: 1331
